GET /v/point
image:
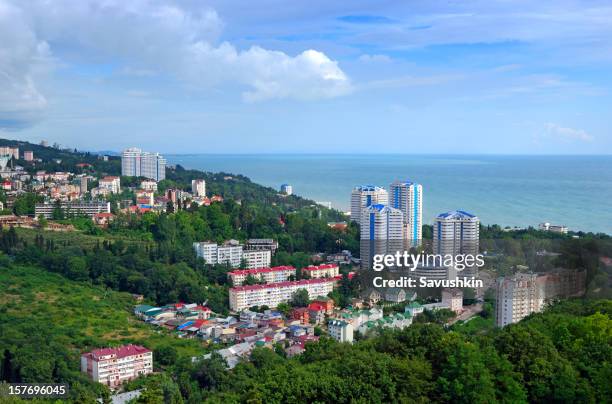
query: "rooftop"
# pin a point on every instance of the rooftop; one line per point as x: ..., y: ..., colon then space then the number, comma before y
x: 262, y: 270
x: 282, y: 284
x: 119, y: 352
x: 456, y: 214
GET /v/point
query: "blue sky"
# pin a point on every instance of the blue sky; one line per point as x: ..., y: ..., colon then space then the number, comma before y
x: 519, y: 77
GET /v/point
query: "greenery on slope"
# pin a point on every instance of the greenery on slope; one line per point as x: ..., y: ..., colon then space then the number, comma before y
x: 47, y: 321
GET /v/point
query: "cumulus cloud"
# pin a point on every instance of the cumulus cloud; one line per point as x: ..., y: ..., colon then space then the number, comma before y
x: 552, y: 130
x: 144, y: 38
x: 23, y: 58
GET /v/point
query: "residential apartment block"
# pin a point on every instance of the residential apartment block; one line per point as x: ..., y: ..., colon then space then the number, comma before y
x: 113, y: 184
x: 321, y: 271
x: 381, y: 222
x: 408, y: 197
x: 340, y: 330
x: 114, y: 366
x: 267, y: 275
x: 72, y: 208
x: 232, y: 252
x: 256, y: 258
x: 364, y: 196
x: 198, y: 188
x: 524, y: 293
x: 136, y: 163
x: 272, y: 294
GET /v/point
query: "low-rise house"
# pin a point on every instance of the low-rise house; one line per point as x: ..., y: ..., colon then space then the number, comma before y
x: 397, y: 321
x: 302, y: 314
x: 341, y: 331
x: 316, y: 313
x: 414, y: 308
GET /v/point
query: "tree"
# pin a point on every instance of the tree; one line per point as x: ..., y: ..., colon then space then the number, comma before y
x: 300, y: 298
x: 42, y: 221
x: 165, y: 355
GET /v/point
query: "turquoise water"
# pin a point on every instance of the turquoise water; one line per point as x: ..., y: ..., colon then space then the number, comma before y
x: 509, y: 190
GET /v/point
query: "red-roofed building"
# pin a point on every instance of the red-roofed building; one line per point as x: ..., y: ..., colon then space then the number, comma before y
x: 103, y: 219
x: 321, y: 271
x: 317, y: 312
x: 114, y: 366
x: 243, y: 297
x: 267, y: 275
x: 302, y: 314
x: 326, y: 303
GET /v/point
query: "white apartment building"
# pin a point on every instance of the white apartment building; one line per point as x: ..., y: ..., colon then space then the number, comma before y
x: 456, y: 232
x: 230, y: 252
x: 73, y: 208
x: 341, y: 331
x: 381, y: 222
x: 257, y: 258
x: 114, y: 366
x: 11, y: 151
x: 136, y: 163
x: 243, y: 297
x: 286, y: 189
x: 148, y: 185
x: 322, y: 271
x: 262, y: 244
x: 553, y: 228
x: 408, y: 197
x: 517, y: 297
x: 267, y: 275
x: 198, y: 188
x: 28, y: 155
x: 364, y: 196
x: 113, y: 184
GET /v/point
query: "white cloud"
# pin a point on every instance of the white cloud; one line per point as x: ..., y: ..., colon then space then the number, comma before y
x: 552, y: 130
x: 145, y: 38
x: 23, y: 58
x: 378, y: 58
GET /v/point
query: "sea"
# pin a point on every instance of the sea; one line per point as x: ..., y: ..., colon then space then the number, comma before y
x: 575, y: 191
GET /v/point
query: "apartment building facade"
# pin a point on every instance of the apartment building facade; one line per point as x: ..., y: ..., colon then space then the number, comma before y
x: 114, y: 366
x: 408, y: 197
x: 272, y: 294
x: 266, y: 275
x: 321, y: 271
x: 365, y: 196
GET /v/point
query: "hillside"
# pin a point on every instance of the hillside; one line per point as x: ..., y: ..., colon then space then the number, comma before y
x: 228, y: 185
x: 47, y: 321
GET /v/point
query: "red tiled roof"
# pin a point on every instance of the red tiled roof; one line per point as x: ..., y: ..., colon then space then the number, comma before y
x: 317, y: 306
x: 282, y: 284
x: 314, y: 268
x: 120, y: 352
x: 103, y: 214
x: 262, y: 270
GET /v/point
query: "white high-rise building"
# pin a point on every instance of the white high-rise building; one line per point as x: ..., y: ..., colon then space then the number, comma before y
x: 136, y: 163
x: 198, y: 188
x: 364, y: 196
x: 408, y: 197
x: 381, y: 222
x: 517, y: 297
x: 456, y: 232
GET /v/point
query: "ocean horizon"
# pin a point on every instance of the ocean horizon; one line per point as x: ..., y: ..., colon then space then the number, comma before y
x: 509, y: 190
